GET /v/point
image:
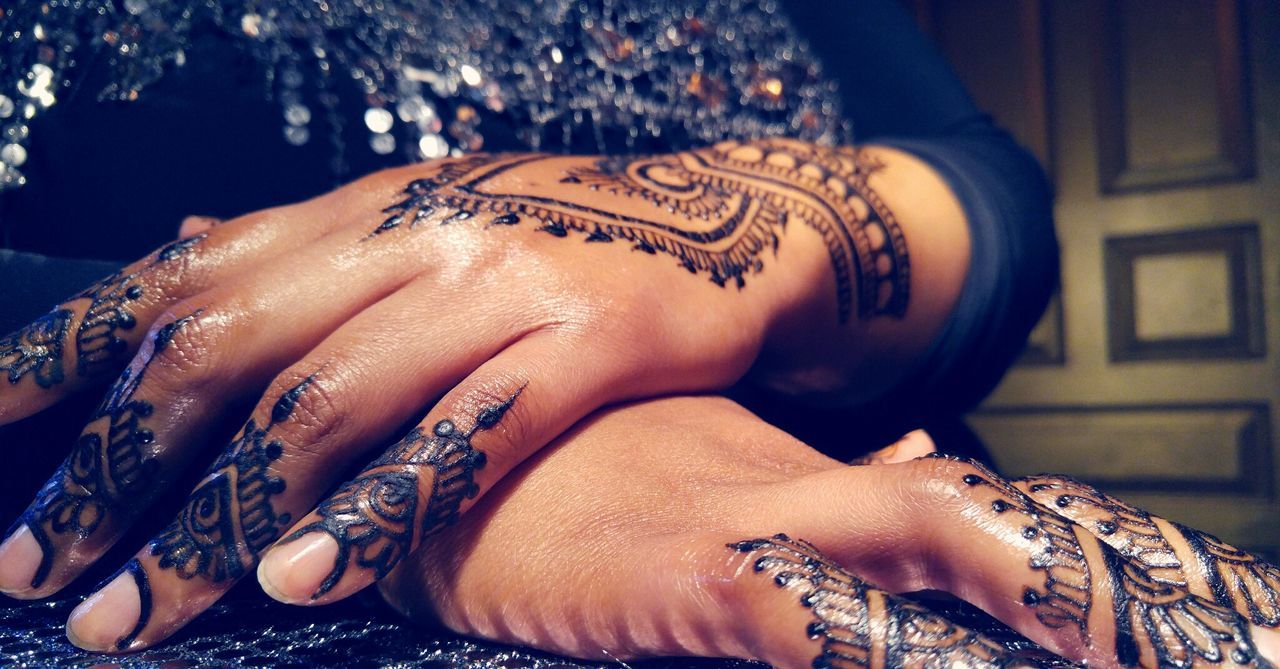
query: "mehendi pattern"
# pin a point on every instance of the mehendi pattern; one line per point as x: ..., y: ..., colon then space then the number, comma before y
x: 108, y: 467
x: 1155, y: 622
x: 375, y: 517
x: 1237, y: 578
x: 99, y: 348
x: 229, y: 519
x: 717, y: 210
x: 36, y: 349
x: 862, y: 626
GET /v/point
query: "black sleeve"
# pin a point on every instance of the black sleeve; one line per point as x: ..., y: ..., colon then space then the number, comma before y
x: 899, y: 91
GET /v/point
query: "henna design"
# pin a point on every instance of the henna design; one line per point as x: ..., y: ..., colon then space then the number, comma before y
x: 1153, y: 619
x: 100, y: 476
x: 1237, y: 578
x: 1066, y: 596
x: 98, y: 348
x: 134, y: 568
x: 862, y: 626
x: 37, y: 349
x: 728, y: 202
x: 1181, y: 630
x: 1129, y: 530
x: 228, y: 519
x: 373, y: 516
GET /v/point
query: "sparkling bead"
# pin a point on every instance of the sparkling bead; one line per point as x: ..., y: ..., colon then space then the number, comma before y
x: 16, y: 132
x: 297, y: 114
x: 634, y: 75
x: 378, y: 120
x: 433, y: 146
x: 13, y: 154
x: 382, y: 143
x: 251, y: 24
x: 415, y: 110
x: 10, y: 176
x: 296, y: 135
x: 470, y: 75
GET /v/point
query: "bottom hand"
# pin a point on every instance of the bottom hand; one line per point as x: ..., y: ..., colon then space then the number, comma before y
x: 655, y: 529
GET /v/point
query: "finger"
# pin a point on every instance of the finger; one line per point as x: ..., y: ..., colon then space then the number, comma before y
x: 497, y: 417
x: 773, y: 599
x: 852, y: 622
x: 961, y: 529
x: 196, y: 225
x: 240, y: 336
x: 912, y: 445
x: 92, y: 335
x: 1173, y: 553
x: 353, y: 391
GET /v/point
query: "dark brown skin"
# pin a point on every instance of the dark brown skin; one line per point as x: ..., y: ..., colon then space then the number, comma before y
x: 612, y: 542
x: 433, y: 293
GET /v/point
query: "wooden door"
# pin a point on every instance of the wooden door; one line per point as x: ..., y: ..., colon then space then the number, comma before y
x: 1156, y: 373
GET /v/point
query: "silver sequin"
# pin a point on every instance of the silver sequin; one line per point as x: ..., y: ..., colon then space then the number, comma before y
x: 612, y: 75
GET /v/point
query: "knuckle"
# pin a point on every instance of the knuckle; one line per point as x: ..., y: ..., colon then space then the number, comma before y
x: 186, y: 351
x: 307, y: 410
x: 939, y: 483
x: 504, y: 402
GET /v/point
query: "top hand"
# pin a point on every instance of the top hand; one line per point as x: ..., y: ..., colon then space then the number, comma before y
x: 484, y: 279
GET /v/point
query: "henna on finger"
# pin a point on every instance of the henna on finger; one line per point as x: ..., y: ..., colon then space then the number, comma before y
x: 717, y: 210
x: 863, y: 626
x: 1154, y: 622
x: 375, y: 516
x: 38, y: 349
x: 229, y: 518
x: 1236, y: 578
x: 108, y: 468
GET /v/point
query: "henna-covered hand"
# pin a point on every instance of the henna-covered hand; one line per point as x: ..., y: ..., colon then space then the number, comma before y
x: 669, y: 546
x: 444, y: 290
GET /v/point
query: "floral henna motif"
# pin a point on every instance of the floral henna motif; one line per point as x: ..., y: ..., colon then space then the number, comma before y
x: 229, y: 519
x: 1156, y: 622
x: 36, y: 349
x: 859, y: 625
x: 1237, y: 579
x: 717, y: 210
x: 107, y: 467
x: 373, y: 517
x: 98, y: 347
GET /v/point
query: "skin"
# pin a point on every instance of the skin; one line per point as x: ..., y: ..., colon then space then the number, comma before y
x: 648, y: 557
x: 357, y: 312
x: 445, y: 289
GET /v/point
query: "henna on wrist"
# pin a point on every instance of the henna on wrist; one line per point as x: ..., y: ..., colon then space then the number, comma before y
x: 717, y: 210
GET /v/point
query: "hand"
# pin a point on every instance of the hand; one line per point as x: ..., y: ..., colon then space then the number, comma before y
x: 543, y: 286
x: 653, y: 530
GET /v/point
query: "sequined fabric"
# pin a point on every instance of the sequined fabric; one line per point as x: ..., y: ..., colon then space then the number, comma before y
x: 251, y: 631
x: 624, y: 74
x: 248, y: 630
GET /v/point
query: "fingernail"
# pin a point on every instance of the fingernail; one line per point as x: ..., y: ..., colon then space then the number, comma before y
x: 107, y: 616
x: 1267, y: 642
x: 20, y: 557
x: 293, y: 572
x: 194, y: 225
